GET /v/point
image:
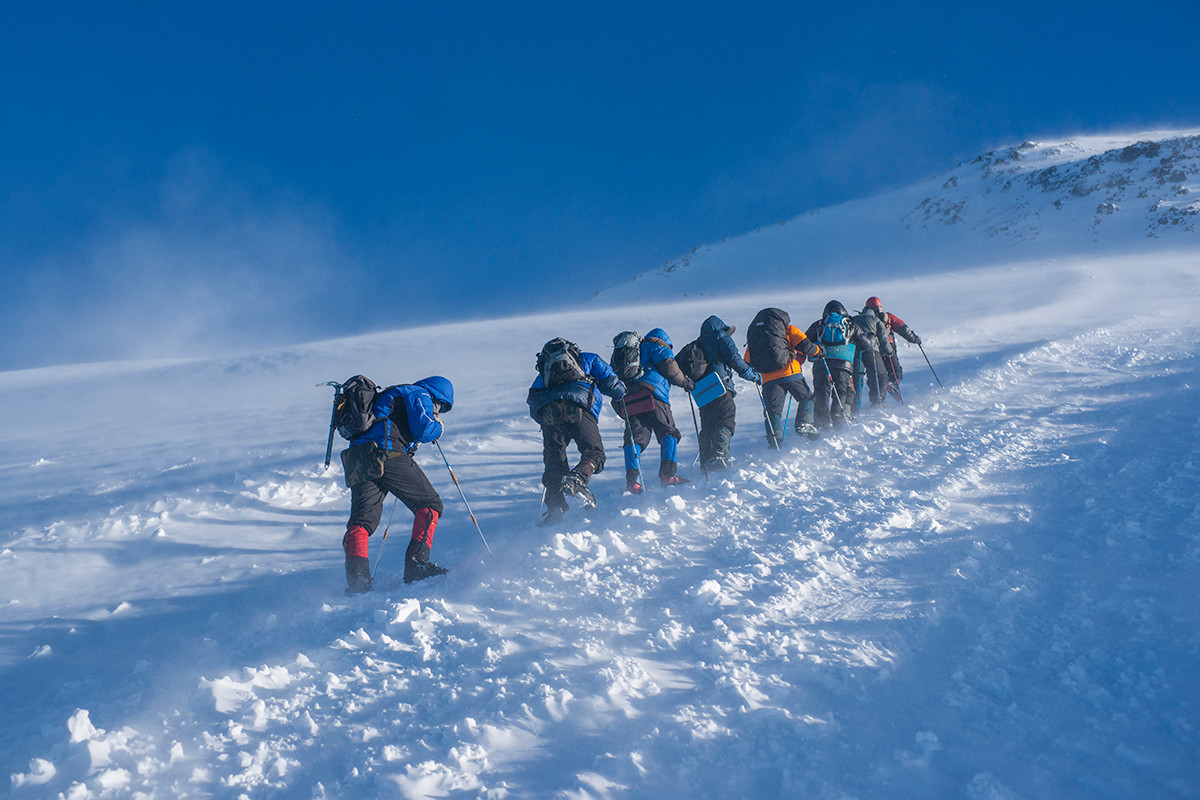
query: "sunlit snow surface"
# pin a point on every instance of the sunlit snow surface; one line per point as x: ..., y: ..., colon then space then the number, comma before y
x: 988, y: 593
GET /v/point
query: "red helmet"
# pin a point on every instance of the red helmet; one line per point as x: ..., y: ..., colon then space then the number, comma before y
x: 873, y: 302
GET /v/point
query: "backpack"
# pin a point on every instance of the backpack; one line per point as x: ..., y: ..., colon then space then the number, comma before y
x: 560, y: 362
x: 835, y: 330
x: 353, y: 409
x: 767, y: 341
x: 626, y: 358
x: 692, y: 360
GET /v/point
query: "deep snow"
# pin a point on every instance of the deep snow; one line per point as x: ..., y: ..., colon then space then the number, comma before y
x: 986, y: 593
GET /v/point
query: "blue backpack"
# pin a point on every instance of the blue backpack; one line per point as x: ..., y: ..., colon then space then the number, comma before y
x: 835, y: 337
x: 835, y: 330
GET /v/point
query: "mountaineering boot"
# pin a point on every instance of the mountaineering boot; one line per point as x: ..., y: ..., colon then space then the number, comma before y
x: 417, y: 566
x: 556, y: 506
x: 774, y: 426
x: 718, y: 456
x: 668, y: 467
x: 575, y: 482
x: 358, y: 575
x: 358, y: 567
x: 809, y: 430
x: 633, y: 468
x: 667, y: 474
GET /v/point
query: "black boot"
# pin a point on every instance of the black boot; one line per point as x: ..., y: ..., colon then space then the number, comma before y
x: 358, y: 575
x: 719, y: 449
x: 556, y: 506
x: 417, y: 566
x: 575, y: 483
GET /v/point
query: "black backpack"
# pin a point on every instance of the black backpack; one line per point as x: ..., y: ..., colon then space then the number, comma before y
x: 767, y: 341
x: 353, y: 413
x: 692, y: 360
x: 560, y: 362
x: 626, y: 358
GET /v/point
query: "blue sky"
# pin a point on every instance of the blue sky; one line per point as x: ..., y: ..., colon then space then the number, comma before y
x: 182, y: 178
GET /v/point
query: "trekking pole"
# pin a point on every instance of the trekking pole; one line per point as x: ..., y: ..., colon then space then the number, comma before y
x: 629, y: 430
x: 858, y: 382
x: 463, y: 496
x: 770, y: 425
x: 922, y: 349
x: 697, y: 425
x: 337, y: 390
x: 379, y: 555
x: 786, y: 416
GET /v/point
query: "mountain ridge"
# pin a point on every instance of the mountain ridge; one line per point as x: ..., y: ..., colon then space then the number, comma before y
x: 1128, y: 193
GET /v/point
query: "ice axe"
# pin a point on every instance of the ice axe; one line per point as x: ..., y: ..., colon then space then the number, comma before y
x: 337, y: 392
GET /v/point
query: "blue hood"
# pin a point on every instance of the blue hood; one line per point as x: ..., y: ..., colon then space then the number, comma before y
x: 715, y: 324
x: 439, y: 389
x: 659, y: 333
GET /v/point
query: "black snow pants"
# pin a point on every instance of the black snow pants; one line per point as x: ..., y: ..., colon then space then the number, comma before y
x: 716, y: 429
x: 401, y: 477
x: 564, y: 422
x: 834, y: 402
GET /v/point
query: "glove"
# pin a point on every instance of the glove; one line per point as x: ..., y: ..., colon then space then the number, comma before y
x: 758, y: 378
x: 688, y: 384
x: 916, y: 340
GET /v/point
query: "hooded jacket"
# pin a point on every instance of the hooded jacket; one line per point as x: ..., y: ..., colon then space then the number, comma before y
x: 658, y: 359
x: 581, y: 393
x: 877, y: 329
x: 716, y: 339
x: 407, y: 415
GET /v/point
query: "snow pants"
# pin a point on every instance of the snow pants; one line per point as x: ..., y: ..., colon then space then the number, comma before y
x: 873, y: 372
x: 774, y: 394
x: 837, y: 401
x: 661, y: 423
x: 716, y: 429
x: 564, y: 422
x: 401, y: 477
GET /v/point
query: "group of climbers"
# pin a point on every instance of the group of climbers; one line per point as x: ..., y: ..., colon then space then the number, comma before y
x: 565, y: 399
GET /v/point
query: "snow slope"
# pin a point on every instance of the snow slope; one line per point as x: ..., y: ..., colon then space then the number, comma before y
x: 1087, y: 195
x: 987, y: 593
